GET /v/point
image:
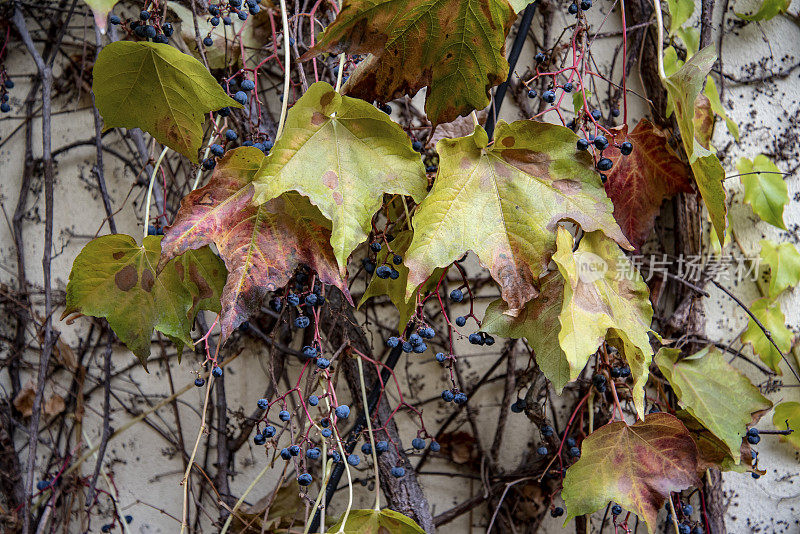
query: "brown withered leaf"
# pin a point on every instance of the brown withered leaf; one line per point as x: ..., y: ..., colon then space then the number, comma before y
x: 636, y: 466
x: 639, y: 183
x: 459, y: 127
x: 261, y: 245
x: 54, y: 405
x: 454, y: 47
x: 23, y: 402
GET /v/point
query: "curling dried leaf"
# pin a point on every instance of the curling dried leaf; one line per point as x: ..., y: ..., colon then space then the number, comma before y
x: 262, y: 245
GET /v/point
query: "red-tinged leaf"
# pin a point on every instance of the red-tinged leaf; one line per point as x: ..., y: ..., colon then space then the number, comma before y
x: 454, y: 47
x: 713, y: 453
x: 639, y: 183
x: 261, y: 245
x: 636, y: 466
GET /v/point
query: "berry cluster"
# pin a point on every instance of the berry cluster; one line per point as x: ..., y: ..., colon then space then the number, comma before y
x: 149, y: 24
x: 385, y: 270
x: 7, y: 84
x: 224, y: 11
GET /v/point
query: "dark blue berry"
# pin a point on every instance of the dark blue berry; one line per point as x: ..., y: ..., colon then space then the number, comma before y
x: 304, y: 480
x: 167, y: 29
x: 382, y: 446
x: 326, y: 432
x: 144, y: 15
x: 302, y: 321
x: 263, y: 404
x: 217, y: 150
x: 616, y: 509
x: 461, y: 320
x: 415, y: 339
x: 366, y: 448
x: 113, y: 19
x: 539, y: 57
x: 269, y: 431
x: 460, y: 398
x: 216, y: 371
x: 684, y: 529
x: 586, y: 4
x: 568, y: 87
x: 208, y: 41
x: 285, y: 454
x: 614, y: 112
x: 601, y: 142
x: 418, y: 443
x: 259, y: 439
x: 383, y: 272
x: 575, y: 452
x: 557, y: 511
x: 313, y: 400
x: 687, y: 510
x: 570, y: 442
x: 313, y: 453
x: 753, y: 440
x: 532, y: 93
x: 224, y: 112
x: 293, y: 299
x: 199, y: 382
x: 434, y: 446
x: 375, y: 246
x: 419, y: 349
x: 572, y: 9
x: 549, y: 96
x: 392, y: 342
x: 488, y: 340
x: 294, y: 450
x: 398, y: 472
x: 284, y: 415
x: 542, y: 451
x: 476, y: 339
x: 604, y: 164
x: 231, y: 135
x: 394, y: 274
x: 397, y: 260
x: 456, y: 295
x: 353, y: 460
x: 417, y: 146
x: 343, y: 411
x: 240, y: 97
x: 547, y: 431
x: 42, y: 485
x: 407, y: 347
x: 323, y: 363
x: 247, y: 85
x: 626, y: 148
x: 597, y: 115
x: 226, y: 21
x: 582, y: 144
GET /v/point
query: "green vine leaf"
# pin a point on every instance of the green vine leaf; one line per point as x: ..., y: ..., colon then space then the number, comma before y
x: 713, y: 453
x: 604, y: 296
x: 343, y: 154
x: 159, y: 89
x: 684, y: 87
x: 768, y: 311
x: 639, y: 183
x: 454, y: 47
x: 519, y: 5
x: 786, y: 416
x: 783, y: 261
x: 504, y: 203
x: 115, y: 278
x: 636, y: 466
x: 538, y: 323
x: 377, y: 522
x: 679, y: 12
x: 262, y: 245
x: 768, y: 10
x: 716, y: 106
x: 396, y: 289
x: 713, y: 392
x: 764, y: 189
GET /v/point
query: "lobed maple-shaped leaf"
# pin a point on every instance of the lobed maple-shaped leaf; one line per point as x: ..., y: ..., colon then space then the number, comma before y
x: 639, y: 183
x: 764, y: 189
x: 684, y: 87
x: 261, y: 245
x: 454, y: 47
x: 783, y: 261
x: 115, y: 278
x: 635, y: 466
x: 377, y: 522
x: 604, y: 298
x: 396, y: 289
x: 712, y: 452
x: 343, y: 154
x: 504, y: 203
x: 713, y: 392
x: 768, y: 311
x: 159, y: 89
x: 538, y: 323
x: 786, y: 416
